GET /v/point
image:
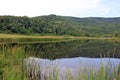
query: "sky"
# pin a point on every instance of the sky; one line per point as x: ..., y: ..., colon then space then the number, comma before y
x: 76, y: 8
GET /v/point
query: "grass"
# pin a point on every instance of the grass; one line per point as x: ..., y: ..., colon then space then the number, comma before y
x: 12, y: 38
x: 11, y: 63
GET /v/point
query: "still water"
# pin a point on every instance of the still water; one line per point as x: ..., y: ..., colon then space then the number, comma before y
x: 44, y: 68
x: 69, y: 49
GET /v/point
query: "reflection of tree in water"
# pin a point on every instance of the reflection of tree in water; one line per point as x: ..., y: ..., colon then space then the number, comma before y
x: 46, y: 50
x: 78, y: 48
x: 85, y: 48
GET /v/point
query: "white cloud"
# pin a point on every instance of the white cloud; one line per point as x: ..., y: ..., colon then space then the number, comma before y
x: 45, y: 7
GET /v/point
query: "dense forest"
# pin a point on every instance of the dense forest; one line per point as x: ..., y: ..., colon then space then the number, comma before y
x: 60, y: 25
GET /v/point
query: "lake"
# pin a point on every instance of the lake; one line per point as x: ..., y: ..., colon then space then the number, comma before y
x: 13, y: 54
x: 68, y: 49
x: 78, y: 68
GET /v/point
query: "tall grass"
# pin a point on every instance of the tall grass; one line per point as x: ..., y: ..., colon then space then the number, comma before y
x: 11, y: 63
x: 12, y: 68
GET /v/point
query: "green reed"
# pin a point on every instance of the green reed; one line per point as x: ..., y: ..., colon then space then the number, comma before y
x: 11, y: 63
x: 12, y: 68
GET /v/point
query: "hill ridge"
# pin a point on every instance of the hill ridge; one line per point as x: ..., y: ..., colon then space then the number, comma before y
x: 61, y: 25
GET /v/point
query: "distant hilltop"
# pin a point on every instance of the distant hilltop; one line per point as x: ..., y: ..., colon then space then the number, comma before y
x: 61, y: 25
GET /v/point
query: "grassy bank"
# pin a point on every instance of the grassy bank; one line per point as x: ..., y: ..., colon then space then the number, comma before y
x: 38, y: 38
x: 25, y: 38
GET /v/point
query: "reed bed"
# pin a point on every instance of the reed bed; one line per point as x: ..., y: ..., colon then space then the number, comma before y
x: 12, y: 67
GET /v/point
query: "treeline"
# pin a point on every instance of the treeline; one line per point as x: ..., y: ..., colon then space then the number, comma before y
x: 60, y: 25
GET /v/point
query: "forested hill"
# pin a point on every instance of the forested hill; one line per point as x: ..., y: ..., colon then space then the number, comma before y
x: 61, y: 25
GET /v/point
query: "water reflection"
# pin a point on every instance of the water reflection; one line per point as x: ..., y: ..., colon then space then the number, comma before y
x: 76, y: 48
x: 42, y: 69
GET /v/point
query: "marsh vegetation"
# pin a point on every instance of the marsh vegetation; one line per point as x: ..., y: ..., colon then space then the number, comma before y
x: 13, y: 54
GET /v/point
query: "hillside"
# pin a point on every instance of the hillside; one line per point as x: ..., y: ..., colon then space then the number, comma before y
x: 61, y: 25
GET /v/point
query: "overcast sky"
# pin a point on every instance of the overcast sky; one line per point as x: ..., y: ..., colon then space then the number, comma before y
x: 76, y: 8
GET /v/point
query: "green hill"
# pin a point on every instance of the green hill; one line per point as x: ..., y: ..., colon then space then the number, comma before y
x: 61, y: 25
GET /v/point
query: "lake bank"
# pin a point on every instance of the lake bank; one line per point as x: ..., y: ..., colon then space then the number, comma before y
x: 12, y: 38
